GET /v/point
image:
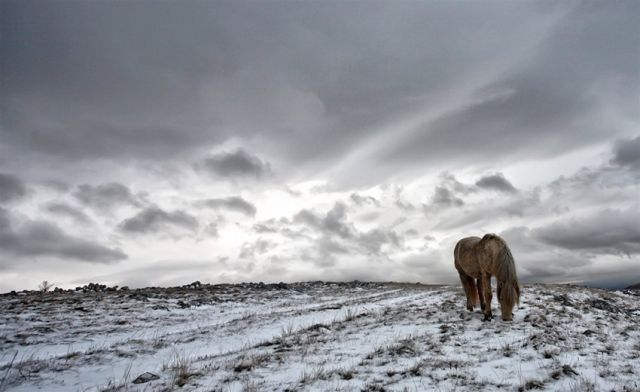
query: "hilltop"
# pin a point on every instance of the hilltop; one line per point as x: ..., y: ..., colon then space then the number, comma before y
x: 317, y: 336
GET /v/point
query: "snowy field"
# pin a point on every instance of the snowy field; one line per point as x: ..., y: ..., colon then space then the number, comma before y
x: 318, y: 337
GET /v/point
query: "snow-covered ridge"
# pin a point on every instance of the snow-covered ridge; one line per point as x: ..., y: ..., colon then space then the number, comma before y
x: 317, y: 336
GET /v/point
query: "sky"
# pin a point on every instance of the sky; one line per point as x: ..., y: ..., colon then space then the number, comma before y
x: 158, y: 143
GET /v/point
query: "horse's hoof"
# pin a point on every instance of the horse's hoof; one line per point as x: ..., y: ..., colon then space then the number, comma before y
x: 487, y: 317
x: 470, y: 308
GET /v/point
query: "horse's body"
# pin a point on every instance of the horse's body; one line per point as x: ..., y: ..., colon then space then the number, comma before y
x: 477, y: 260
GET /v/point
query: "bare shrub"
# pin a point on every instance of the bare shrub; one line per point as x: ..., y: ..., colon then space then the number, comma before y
x: 531, y: 384
x: 180, y: 367
x: 309, y: 376
x: 45, y: 286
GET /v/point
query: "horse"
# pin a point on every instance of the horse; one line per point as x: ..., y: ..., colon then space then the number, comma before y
x: 477, y: 260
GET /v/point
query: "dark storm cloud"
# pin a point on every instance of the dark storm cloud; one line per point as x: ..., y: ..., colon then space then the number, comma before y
x: 11, y: 188
x: 44, y: 239
x: 608, y: 232
x: 497, y: 182
x: 155, y: 220
x: 67, y: 210
x: 105, y: 195
x: 238, y: 163
x: 87, y: 80
x: 627, y: 153
x: 524, y: 111
x: 233, y: 203
x: 121, y: 79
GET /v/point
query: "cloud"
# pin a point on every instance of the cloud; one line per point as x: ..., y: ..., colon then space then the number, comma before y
x: 153, y: 220
x: 360, y: 200
x: 496, y: 182
x: 337, y: 235
x: 445, y: 193
x: 212, y: 230
x: 607, y: 231
x: 11, y: 188
x: 375, y: 239
x: 238, y: 163
x: 323, y: 93
x: 334, y: 222
x: 105, y: 195
x: 627, y: 153
x: 157, y: 88
x: 443, y: 197
x: 259, y: 247
x: 44, y: 239
x: 67, y: 210
x: 233, y: 203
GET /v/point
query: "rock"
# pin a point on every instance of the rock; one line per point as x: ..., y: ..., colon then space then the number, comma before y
x: 193, y: 285
x: 568, y: 370
x: 183, y: 305
x: 145, y: 377
x: 588, y: 332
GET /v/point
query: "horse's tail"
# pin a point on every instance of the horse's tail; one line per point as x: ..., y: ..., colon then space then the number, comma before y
x: 507, y: 275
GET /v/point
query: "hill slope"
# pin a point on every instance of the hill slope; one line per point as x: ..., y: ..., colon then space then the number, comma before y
x: 635, y: 286
x: 315, y: 336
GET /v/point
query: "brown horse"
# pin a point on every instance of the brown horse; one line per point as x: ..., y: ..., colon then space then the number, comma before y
x: 477, y: 260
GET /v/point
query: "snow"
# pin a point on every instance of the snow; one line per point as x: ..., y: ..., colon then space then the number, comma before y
x: 318, y: 337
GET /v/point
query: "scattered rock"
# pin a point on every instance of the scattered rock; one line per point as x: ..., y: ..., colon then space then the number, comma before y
x: 563, y: 299
x: 183, y: 305
x: 145, y: 377
x: 193, y: 285
x: 603, y: 305
x: 568, y: 370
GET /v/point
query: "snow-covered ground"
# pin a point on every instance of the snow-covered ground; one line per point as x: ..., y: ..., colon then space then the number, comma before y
x: 319, y: 337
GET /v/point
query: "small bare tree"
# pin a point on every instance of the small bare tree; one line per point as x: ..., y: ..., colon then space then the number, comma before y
x: 45, y: 286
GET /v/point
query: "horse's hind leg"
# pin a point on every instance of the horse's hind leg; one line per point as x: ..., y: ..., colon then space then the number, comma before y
x: 480, y: 293
x: 470, y: 290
